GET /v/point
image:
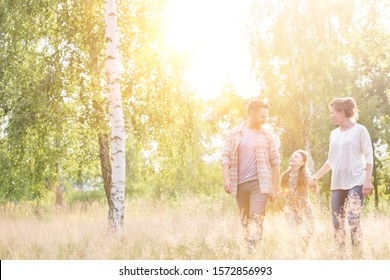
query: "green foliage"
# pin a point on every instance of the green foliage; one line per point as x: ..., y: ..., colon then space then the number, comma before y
x: 53, y: 98
x: 43, y: 96
x: 82, y: 197
x: 310, y: 52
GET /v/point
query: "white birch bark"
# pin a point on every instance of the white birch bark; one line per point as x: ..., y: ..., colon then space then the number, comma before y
x: 60, y: 186
x: 116, y: 211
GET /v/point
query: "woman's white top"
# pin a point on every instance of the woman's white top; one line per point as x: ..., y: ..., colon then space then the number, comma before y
x: 349, y: 152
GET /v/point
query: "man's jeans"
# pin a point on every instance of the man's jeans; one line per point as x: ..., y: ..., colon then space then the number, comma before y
x: 351, y: 199
x: 252, y: 204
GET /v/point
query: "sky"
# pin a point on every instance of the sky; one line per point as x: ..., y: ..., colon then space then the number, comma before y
x: 211, y: 33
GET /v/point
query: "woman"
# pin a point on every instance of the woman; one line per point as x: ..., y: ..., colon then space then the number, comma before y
x: 298, y: 208
x: 350, y: 158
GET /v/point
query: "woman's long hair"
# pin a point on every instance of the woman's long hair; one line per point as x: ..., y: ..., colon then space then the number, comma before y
x: 302, y: 181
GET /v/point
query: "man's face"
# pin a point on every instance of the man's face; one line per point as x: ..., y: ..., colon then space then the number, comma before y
x: 260, y: 117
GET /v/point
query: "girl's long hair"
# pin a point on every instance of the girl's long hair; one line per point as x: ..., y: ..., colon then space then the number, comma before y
x: 302, y: 181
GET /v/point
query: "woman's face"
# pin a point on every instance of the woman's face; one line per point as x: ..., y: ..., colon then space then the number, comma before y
x: 296, y: 159
x: 337, y: 117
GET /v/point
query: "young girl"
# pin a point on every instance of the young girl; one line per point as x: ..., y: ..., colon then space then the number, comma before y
x: 294, y: 183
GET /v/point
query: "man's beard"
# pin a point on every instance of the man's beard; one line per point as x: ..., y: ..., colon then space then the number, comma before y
x: 259, y: 124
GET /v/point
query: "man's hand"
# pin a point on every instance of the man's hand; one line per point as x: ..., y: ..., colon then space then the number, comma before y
x: 227, y: 186
x: 273, y: 195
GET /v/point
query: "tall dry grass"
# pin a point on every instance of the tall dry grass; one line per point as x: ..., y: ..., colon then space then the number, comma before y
x: 190, y: 228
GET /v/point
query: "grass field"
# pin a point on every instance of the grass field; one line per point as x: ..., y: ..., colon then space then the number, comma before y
x: 188, y: 229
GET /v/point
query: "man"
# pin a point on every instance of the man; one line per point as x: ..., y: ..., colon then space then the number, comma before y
x: 251, y: 167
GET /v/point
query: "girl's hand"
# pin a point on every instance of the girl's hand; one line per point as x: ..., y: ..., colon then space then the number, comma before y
x: 312, y: 183
x: 281, y: 193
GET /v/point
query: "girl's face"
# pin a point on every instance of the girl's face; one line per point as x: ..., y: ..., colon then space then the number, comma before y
x: 296, y: 159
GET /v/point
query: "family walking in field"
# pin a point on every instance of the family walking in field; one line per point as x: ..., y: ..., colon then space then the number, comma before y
x: 251, y: 170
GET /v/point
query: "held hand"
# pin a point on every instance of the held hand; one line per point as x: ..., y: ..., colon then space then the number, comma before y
x: 312, y: 183
x: 273, y: 195
x: 367, y: 189
x: 281, y: 193
x: 227, y: 186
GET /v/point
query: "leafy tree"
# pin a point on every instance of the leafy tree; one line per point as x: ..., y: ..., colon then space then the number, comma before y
x: 303, y: 52
x: 370, y: 80
x: 162, y: 114
x: 42, y: 80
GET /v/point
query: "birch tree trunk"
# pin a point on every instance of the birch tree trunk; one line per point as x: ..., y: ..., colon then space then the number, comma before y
x: 105, y: 164
x: 60, y: 186
x: 116, y: 208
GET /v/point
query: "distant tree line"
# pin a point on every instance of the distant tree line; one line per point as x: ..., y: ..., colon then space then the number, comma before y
x: 54, y: 117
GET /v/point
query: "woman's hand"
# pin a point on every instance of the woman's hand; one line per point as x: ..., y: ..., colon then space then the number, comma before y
x: 367, y: 188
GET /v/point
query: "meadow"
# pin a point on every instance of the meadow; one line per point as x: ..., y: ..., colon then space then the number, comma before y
x: 189, y: 228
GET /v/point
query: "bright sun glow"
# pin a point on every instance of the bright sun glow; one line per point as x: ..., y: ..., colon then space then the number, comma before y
x: 211, y: 32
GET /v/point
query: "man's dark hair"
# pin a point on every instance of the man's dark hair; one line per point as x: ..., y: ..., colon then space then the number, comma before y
x: 256, y: 104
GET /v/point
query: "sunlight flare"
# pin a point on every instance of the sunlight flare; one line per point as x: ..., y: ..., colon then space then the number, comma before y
x: 211, y: 35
